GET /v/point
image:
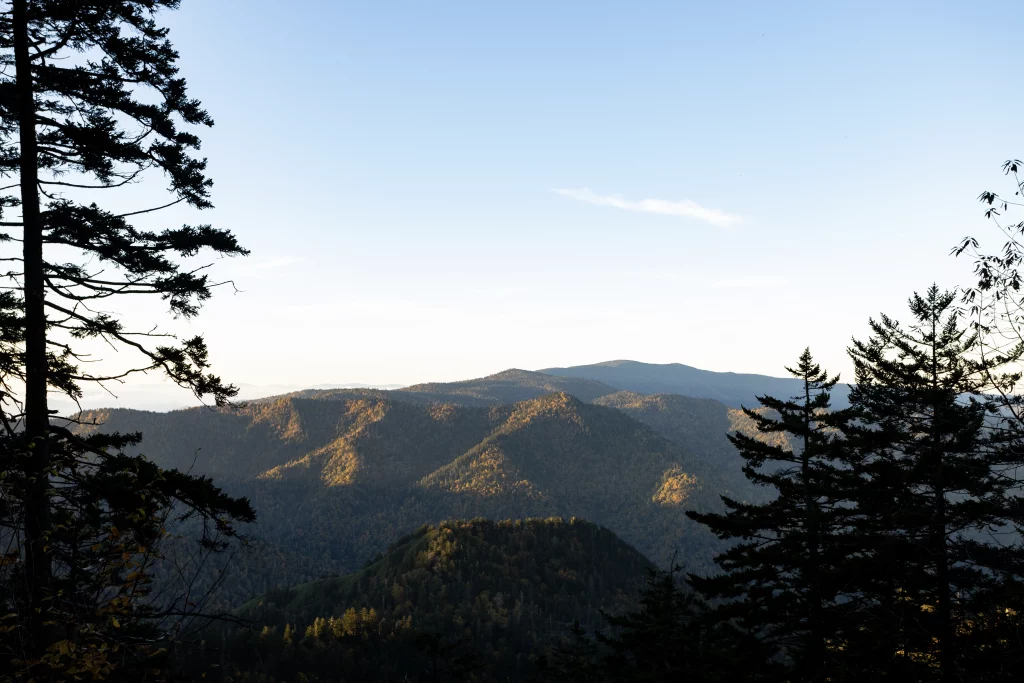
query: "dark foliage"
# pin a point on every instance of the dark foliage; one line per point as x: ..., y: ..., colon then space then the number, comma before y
x: 671, y: 636
x: 91, y: 100
x: 783, y: 581
x: 460, y: 601
x: 940, y: 558
x: 118, y: 606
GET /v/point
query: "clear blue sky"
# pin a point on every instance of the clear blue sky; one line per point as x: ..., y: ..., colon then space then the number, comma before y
x: 395, y: 169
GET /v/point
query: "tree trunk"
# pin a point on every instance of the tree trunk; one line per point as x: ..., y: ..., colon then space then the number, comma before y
x: 942, y: 579
x: 944, y: 606
x: 938, y: 530
x: 39, y: 568
x: 814, y: 652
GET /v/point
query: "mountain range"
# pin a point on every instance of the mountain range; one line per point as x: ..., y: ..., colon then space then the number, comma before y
x: 335, y: 480
x: 336, y: 475
x: 731, y: 388
x: 590, y: 382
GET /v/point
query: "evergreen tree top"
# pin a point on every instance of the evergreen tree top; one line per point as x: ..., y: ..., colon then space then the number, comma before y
x: 107, y: 109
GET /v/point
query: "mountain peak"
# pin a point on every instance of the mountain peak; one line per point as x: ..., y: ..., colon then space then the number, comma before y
x: 732, y: 389
x: 508, y: 386
x: 515, y: 374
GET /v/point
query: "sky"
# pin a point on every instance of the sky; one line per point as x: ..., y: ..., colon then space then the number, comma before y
x: 440, y: 191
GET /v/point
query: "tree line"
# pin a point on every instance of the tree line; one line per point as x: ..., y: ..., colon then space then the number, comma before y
x: 891, y: 547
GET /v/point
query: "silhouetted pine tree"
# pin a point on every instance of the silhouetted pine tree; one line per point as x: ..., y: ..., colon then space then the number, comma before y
x: 784, y: 580
x: 673, y: 636
x: 117, y: 606
x: 575, y: 659
x: 939, y: 562
x: 90, y: 101
x: 446, y: 660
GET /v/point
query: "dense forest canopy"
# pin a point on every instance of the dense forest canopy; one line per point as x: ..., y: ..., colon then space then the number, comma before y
x: 346, y: 473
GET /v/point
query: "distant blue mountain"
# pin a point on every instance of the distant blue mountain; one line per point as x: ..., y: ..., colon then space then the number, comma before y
x: 731, y: 388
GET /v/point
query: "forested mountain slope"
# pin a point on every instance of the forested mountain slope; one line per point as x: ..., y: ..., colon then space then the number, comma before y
x: 455, y: 595
x: 700, y: 423
x: 731, y: 388
x: 290, y: 434
x: 280, y: 437
x: 337, y: 480
x: 336, y: 475
x: 549, y: 456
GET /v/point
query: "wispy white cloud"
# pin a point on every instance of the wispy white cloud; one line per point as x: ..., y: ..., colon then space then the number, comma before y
x: 683, y: 208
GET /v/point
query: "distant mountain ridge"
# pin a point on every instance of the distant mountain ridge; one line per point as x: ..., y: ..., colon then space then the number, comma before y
x: 505, y: 387
x: 514, y: 385
x: 592, y: 382
x: 586, y: 382
x: 341, y: 477
x: 337, y: 474
x: 732, y: 389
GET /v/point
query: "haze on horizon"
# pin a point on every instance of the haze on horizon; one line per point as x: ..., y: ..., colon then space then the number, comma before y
x: 443, y: 192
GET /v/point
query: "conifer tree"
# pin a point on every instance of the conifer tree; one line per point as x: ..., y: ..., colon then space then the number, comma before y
x: 674, y: 636
x: 935, y: 507
x: 91, y: 101
x: 109, y: 612
x: 783, y: 581
x: 575, y: 659
x: 671, y: 636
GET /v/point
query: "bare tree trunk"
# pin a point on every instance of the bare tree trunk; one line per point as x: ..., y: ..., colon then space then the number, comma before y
x: 39, y: 568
